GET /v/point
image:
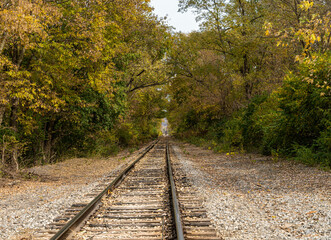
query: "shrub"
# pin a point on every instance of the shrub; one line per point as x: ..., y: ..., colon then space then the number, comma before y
x: 232, y: 133
x: 304, y: 100
x: 252, y: 129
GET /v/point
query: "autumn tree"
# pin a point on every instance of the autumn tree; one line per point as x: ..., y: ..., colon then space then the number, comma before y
x: 236, y: 33
x: 68, y: 70
x: 255, y: 76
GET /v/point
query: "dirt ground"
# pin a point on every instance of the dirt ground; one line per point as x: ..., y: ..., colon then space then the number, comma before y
x: 77, y: 171
x: 28, y: 204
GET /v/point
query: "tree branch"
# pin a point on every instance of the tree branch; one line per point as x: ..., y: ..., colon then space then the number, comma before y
x: 132, y: 78
x: 147, y: 85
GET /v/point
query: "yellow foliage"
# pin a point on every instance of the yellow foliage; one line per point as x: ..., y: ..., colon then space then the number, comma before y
x: 306, y: 5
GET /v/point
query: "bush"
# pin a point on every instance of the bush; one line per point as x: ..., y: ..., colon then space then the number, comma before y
x: 252, y: 129
x: 318, y: 154
x: 304, y: 100
x: 127, y: 134
x: 105, y: 144
x: 305, y: 155
x: 232, y: 133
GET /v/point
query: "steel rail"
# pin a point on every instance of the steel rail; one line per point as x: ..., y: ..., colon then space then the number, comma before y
x: 71, y: 226
x: 175, y: 204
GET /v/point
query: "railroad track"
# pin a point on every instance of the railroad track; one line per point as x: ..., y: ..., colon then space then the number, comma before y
x: 149, y: 199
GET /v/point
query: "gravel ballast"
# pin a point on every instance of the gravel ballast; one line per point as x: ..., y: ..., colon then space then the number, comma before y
x: 254, y: 197
x: 247, y: 196
x: 27, y: 207
x: 22, y: 213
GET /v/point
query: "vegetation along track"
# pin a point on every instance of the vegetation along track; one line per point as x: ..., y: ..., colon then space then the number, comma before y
x: 141, y: 203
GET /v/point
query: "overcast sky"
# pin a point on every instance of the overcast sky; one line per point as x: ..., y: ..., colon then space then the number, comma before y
x: 184, y: 22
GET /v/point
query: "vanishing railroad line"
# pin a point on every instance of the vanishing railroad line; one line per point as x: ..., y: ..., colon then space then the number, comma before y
x: 141, y: 202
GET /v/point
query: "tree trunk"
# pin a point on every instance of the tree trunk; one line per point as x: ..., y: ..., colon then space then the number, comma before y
x: 13, y: 116
x: 4, y: 146
x: 48, y: 148
x: 48, y: 142
x: 15, y: 158
x: 20, y: 58
x: 3, y: 42
x: 245, y: 72
x: 13, y: 125
x: 2, y: 113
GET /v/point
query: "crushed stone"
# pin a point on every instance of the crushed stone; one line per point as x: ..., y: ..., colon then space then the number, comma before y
x: 253, y: 197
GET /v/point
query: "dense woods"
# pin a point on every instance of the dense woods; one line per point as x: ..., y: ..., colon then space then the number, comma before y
x: 73, y: 77
x: 87, y: 77
x: 256, y: 77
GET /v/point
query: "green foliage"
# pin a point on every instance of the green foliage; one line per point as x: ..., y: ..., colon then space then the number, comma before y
x: 305, y: 103
x: 79, y: 78
x: 147, y: 112
x: 127, y: 134
x: 292, y: 121
x: 232, y: 134
x: 252, y: 130
x: 322, y: 147
x: 318, y: 154
x: 69, y: 72
x: 103, y: 143
x: 305, y: 155
x: 257, y: 76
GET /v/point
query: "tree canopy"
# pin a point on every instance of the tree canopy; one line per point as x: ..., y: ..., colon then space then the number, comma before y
x: 255, y: 77
x: 69, y: 70
x: 86, y: 77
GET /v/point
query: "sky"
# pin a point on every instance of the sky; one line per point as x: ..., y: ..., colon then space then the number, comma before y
x: 183, y: 22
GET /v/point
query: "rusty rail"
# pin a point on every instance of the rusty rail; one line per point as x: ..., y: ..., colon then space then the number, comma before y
x: 74, y: 223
